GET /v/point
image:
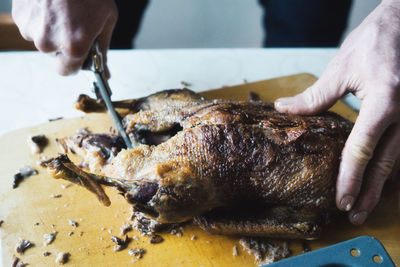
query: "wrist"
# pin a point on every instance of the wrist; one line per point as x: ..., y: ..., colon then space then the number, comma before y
x: 386, y: 13
x: 393, y: 4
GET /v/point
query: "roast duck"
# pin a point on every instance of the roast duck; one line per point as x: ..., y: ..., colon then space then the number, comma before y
x: 234, y: 167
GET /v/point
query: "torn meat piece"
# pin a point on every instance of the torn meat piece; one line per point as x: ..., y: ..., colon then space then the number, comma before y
x: 23, y: 245
x: 120, y: 244
x: 176, y: 230
x: 137, y: 252
x: 55, y: 119
x: 49, y: 238
x: 22, y: 264
x: 96, y: 149
x: 125, y: 228
x: 185, y: 84
x: 73, y: 223
x: 235, y: 251
x: 46, y: 253
x: 16, y: 262
x: 156, y: 239
x: 38, y: 143
x: 88, y: 104
x: 62, y: 258
x: 65, y: 186
x: 145, y: 225
x: 305, y: 247
x: 24, y: 172
x: 264, y: 250
x: 253, y: 97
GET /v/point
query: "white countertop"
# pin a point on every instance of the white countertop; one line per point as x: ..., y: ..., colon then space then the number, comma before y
x: 32, y: 93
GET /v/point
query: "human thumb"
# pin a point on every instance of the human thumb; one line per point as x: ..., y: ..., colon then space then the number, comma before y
x: 313, y: 100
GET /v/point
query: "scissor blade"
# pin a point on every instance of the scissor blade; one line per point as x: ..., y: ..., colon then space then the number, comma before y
x: 104, y: 88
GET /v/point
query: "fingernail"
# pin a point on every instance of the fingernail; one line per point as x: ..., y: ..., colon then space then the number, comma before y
x: 359, y: 217
x: 346, y: 203
x: 284, y: 101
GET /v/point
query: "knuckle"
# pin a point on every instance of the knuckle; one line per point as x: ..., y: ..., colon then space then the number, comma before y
x: 76, y: 48
x: 371, y: 200
x: 361, y: 152
x: 356, y: 181
x: 311, y: 98
x: 383, y: 167
x: 44, y: 45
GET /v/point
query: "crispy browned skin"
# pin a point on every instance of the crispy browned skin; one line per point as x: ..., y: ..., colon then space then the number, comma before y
x: 225, y: 152
x: 275, y: 221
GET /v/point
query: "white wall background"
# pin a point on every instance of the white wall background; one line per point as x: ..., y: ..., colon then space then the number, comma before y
x: 209, y: 23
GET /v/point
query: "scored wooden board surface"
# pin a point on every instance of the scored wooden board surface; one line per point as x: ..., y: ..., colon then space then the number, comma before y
x: 30, y: 203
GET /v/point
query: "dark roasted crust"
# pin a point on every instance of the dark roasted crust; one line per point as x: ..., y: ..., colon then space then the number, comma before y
x: 87, y: 104
x: 276, y: 222
x: 249, y: 151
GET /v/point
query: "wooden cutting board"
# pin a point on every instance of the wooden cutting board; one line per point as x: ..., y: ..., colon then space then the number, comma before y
x: 90, y: 244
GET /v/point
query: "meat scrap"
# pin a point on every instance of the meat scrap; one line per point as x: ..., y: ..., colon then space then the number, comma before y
x: 264, y: 250
x: 73, y: 223
x: 46, y: 253
x: 177, y: 230
x: 55, y: 119
x: 23, y: 173
x: 65, y: 186
x: 156, y: 239
x: 235, y: 251
x: 16, y: 262
x: 186, y: 84
x: 147, y: 226
x: 119, y: 243
x: 253, y: 97
x: 305, y: 247
x: 23, y: 245
x: 49, y: 238
x: 137, y: 252
x: 38, y: 143
x: 144, y: 225
x: 126, y: 227
x: 62, y: 258
x: 21, y: 264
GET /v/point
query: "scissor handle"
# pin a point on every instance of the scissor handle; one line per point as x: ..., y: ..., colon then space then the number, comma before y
x: 94, y: 60
x: 94, y: 63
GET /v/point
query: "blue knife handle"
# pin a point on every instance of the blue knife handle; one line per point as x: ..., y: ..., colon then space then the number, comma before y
x: 363, y: 251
